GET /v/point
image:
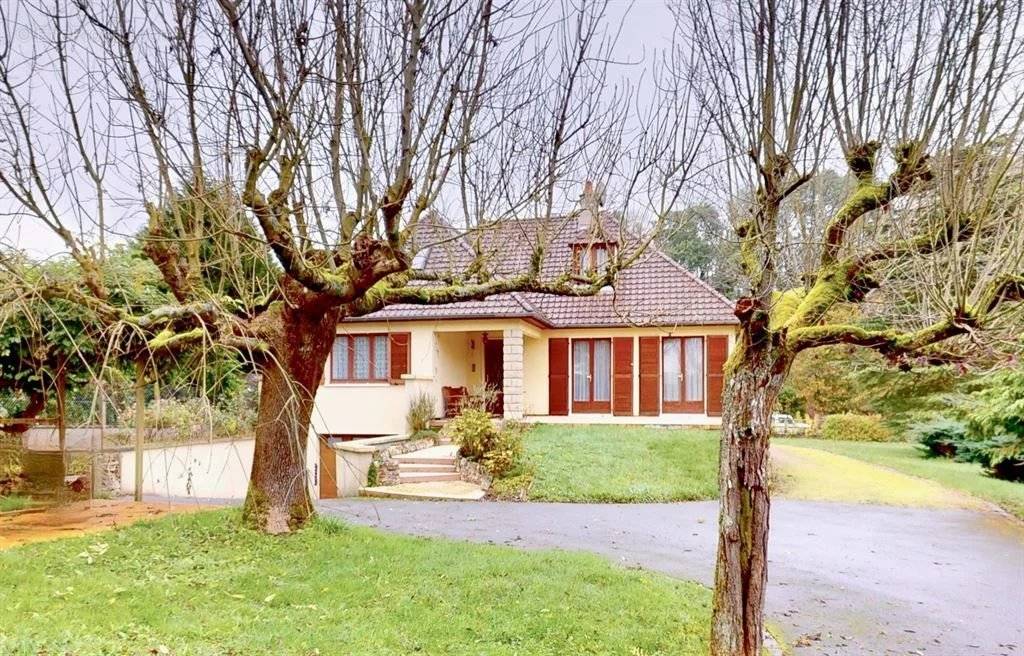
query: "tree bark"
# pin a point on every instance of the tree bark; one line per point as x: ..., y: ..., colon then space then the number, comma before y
x: 755, y: 377
x: 300, y: 337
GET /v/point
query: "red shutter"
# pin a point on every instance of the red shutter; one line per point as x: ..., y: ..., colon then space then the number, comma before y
x: 650, y: 375
x: 558, y: 376
x: 622, y: 376
x: 399, y: 357
x: 718, y: 351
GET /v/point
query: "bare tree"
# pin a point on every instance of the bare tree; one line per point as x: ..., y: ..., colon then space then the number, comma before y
x: 922, y: 102
x: 283, y: 155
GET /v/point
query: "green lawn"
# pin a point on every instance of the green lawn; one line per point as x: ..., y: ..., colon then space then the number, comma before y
x: 622, y: 463
x: 908, y: 459
x: 197, y: 584
x: 14, y: 502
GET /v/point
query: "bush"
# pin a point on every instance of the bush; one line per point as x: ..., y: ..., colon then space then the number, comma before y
x: 474, y: 432
x: 506, y: 452
x: 942, y: 437
x: 995, y: 419
x: 858, y: 428
x: 500, y: 451
x: 195, y: 419
x: 421, y: 412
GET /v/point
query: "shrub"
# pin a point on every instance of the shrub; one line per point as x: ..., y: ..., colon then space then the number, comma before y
x: 421, y: 412
x: 500, y: 451
x: 858, y: 428
x: 195, y: 419
x: 373, y: 475
x: 506, y: 451
x: 941, y: 437
x: 995, y: 419
x: 474, y: 432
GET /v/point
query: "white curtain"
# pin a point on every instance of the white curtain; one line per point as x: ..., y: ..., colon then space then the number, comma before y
x: 670, y: 365
x: 602, y: 370
x: 380, y: 357
x: 580, y: 371
x: 339, y: 360
x: 694, y: 369
x: 361, y: 352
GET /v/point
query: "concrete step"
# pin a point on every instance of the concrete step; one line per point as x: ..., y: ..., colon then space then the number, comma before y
x: 426, y: 477
x: 424, y: 460
x: 444, y: 490
x: 424, y: 467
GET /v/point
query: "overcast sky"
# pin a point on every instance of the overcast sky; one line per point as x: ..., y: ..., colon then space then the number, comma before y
x: 646, y: 27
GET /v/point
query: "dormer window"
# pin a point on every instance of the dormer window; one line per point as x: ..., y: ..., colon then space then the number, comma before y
x: 588, y: 259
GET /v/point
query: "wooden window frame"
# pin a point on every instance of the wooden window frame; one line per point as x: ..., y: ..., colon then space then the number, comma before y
x: 352, y: 360
x: 579, y: 250
x: 591, y: 406
x: 682, y: 406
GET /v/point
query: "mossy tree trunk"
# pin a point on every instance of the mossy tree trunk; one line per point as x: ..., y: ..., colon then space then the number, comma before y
x: 755, y: 373
x: 278, y: 500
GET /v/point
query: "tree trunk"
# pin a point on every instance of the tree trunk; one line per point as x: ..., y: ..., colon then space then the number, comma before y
x: 300, y: 338
x: 741, y: 571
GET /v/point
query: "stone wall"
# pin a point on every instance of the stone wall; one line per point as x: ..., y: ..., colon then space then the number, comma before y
x: 473, y: 472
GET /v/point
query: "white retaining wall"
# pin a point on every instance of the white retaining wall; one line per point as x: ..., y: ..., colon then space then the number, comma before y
x: 218, y: 470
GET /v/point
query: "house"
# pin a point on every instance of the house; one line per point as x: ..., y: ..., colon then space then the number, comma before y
x: 649, y: 349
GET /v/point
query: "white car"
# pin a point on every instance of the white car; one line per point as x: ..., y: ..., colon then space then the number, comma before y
x: 785, y: 425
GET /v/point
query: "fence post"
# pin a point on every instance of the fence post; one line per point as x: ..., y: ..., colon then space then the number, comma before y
x: 61, y: 385
x: 140, y: 422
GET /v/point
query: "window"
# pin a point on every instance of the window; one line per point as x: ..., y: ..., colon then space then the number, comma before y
x: 591, y: 258
x: 360, y: 358
x: 682, y: 374
x: 591, y: 375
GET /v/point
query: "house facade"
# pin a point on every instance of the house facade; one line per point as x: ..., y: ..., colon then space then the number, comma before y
x: 650, y: 349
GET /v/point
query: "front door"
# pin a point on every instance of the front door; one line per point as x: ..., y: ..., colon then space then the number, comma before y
x: 591, y: 375
x: 494, y: 375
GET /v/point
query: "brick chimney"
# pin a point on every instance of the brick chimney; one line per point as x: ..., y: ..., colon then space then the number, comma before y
x: 590, y: 207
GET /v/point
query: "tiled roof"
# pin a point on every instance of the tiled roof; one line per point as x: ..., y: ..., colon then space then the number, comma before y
x: 654, y: 291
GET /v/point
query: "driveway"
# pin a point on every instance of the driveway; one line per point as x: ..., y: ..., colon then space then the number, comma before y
x: 844, y: 580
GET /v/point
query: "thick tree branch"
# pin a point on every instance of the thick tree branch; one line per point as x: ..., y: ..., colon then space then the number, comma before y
x: 870, y: 195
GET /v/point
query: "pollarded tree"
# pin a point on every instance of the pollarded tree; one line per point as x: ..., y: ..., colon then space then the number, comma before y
x: 332, y: 127
x: 922, y: 102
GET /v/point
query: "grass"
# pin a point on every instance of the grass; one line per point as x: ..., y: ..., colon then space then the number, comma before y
x: 14, y: 502
x: 802, y: 473
x: 613, y: 464
x: 908, y: 459
x: 198, y: 585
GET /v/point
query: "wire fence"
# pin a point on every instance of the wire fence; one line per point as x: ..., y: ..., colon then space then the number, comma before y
x: 50, y: 457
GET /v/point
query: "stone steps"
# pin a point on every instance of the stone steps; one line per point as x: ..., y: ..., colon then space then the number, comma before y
x: 423, y: 460
x: 440, y: 490
x: 427, y: 477
x: 426, y: 467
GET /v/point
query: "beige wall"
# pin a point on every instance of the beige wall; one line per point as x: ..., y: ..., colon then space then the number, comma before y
x: 450, y: 353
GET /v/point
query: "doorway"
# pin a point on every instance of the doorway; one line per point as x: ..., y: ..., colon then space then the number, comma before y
x: 494, y: 375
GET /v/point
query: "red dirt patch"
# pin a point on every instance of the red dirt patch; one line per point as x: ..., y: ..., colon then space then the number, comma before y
x: 82, y: 517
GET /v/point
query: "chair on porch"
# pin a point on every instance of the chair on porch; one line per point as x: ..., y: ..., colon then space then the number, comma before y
x: 453, y: 398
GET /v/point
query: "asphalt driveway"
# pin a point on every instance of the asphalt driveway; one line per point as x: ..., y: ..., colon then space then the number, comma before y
x: 845, y: 579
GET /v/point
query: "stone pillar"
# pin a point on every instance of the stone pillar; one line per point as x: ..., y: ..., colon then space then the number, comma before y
x: 512, y: 381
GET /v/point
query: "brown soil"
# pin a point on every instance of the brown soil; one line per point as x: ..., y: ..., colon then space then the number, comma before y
x: 82, y: 517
